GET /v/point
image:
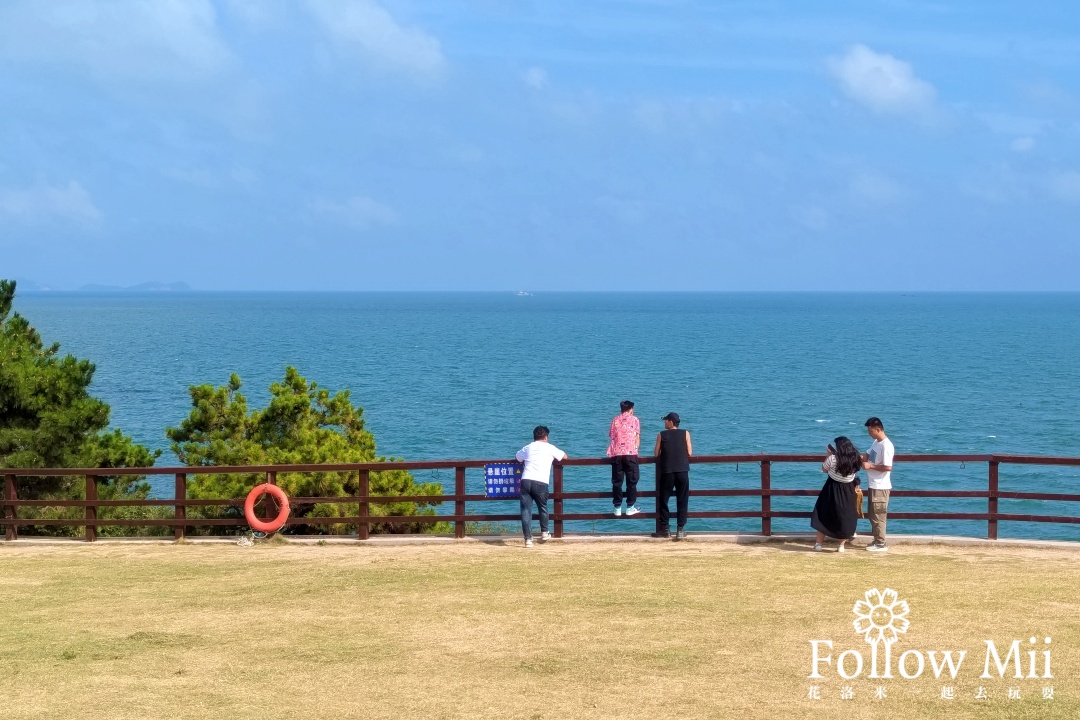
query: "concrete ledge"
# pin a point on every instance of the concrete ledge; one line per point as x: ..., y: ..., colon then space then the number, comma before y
x: 734, y: 538
x: 895, y: 541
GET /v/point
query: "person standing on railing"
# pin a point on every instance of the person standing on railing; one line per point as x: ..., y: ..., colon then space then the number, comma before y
x: 537, y: 458
x: 673, y: 451
x: 834, y: 512
x: 625, y: 439
x: 878, y: 464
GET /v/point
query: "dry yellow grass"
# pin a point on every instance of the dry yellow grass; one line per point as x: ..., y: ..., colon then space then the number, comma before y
x: 634, y: 630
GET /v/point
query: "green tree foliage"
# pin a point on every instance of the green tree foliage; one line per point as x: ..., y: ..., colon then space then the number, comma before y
x: 302, y: 424
x: 48, y: 419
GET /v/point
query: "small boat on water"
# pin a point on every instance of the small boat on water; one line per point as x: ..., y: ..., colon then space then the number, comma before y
x: 522, y: 293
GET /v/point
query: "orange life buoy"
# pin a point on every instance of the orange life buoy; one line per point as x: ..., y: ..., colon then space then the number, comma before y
x: 249, y: 508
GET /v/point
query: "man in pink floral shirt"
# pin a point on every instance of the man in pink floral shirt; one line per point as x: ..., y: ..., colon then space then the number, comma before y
x: 625, y: 434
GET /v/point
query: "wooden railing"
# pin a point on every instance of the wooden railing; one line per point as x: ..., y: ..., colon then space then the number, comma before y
x: 180, y: 522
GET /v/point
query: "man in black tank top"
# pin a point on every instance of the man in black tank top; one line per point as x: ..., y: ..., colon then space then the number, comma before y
x: 673, y: 451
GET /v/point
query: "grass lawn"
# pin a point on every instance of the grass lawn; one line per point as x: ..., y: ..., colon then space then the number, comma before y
x: 564, y: 630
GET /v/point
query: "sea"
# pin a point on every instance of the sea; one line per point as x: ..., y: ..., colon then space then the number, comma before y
x: 467, y: 375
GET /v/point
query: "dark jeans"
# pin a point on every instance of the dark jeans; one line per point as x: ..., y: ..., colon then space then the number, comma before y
x: 533, y: 490
x: 624, y: 465
x: 679, y: 483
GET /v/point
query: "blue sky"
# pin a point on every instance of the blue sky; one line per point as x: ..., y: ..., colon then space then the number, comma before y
x: 554, y: 145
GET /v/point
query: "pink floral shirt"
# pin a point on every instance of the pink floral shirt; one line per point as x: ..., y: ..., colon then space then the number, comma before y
x: 624, y: 433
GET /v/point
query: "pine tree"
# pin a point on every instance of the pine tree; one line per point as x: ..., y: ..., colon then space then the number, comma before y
x: 48, y: 419
x: 302, y: 424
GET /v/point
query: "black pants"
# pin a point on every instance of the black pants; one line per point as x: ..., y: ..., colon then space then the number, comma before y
x: 624, y: 466
x: 678, y: 483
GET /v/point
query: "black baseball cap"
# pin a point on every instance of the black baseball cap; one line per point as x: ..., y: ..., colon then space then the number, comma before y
x: 673, y: 417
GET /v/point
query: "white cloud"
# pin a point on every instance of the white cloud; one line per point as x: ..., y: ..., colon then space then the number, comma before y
x: 366, y: 28
x: 812, y: 217
x: 198, y: 176
x: 652, y: 114
x: 876, y: 188
x: 622, y: 209
x: 882, y: 82
x: 43, y: 203
x: 1022, y: 144
x: 1052, y: 97
x: 1004, y: 184
x: 684, y: 115
x: 465, y: 154
x: 1011, y: 124
x: 996, y: 184
x: 580, y: 109
x: 359, y: 212
x: 116, y: 40
x: 257, y: 14
x: 1066, y: 186
x: 536, y: 78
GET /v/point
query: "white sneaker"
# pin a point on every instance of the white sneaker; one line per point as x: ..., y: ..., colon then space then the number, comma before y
x: 545, y: 536
x: 817, y: 547
x: 632, y: 510
x: 528, y: 543
x: 874, y: 547
x: 618, y: 510
x: 841, y: 549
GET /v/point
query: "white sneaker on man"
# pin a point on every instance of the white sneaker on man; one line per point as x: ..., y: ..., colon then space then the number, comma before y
x: 528, y: 543
x: 618, y: 510
x: 632, y: 510
x: 876, y: 547
x: 545, y: 536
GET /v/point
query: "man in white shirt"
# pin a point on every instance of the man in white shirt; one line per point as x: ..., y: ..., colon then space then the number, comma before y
x: 877, y: 462
x: 537, y: 458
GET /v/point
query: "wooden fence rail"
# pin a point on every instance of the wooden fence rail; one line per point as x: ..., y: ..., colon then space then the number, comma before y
x: 181, y: 521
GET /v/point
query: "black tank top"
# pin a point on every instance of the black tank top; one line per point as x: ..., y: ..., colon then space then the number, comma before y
x: 673, y: 455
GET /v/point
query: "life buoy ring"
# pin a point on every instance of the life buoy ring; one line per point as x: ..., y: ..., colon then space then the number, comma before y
x: 266, y: 526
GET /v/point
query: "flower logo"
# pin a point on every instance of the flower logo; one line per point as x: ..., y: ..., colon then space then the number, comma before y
x: 881, y: 617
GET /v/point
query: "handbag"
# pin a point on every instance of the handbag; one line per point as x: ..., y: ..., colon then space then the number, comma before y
x: 858, y: 502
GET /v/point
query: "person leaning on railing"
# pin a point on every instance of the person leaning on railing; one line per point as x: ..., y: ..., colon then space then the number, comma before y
x: 673, y: 451
x: 536, y: 457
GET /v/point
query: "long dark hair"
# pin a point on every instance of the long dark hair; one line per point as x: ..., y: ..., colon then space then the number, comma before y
x: 847, y: 457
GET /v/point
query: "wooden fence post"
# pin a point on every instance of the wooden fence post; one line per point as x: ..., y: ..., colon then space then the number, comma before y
x: 558, y: 487
x: 459, y: 501
x: 11, y: 532
x: 181, y: 507
x: 363, y: 488
x: 91, y: 508
x: 992, y: 502
x: 268, y: 503
x: 766, y: 497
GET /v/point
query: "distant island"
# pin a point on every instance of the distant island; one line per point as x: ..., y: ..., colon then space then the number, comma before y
x: 143, y: 287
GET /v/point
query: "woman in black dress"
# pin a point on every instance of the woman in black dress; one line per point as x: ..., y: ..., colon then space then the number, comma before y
x: 834, y: 512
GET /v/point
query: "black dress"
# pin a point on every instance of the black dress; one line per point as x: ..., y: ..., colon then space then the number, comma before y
x: 834, y: 512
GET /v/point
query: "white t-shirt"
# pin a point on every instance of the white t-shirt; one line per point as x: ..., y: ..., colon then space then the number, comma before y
x: 880, y: 453
x: 537, y: 457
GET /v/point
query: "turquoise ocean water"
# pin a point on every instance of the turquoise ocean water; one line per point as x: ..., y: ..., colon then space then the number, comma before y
x: 468, y: 375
